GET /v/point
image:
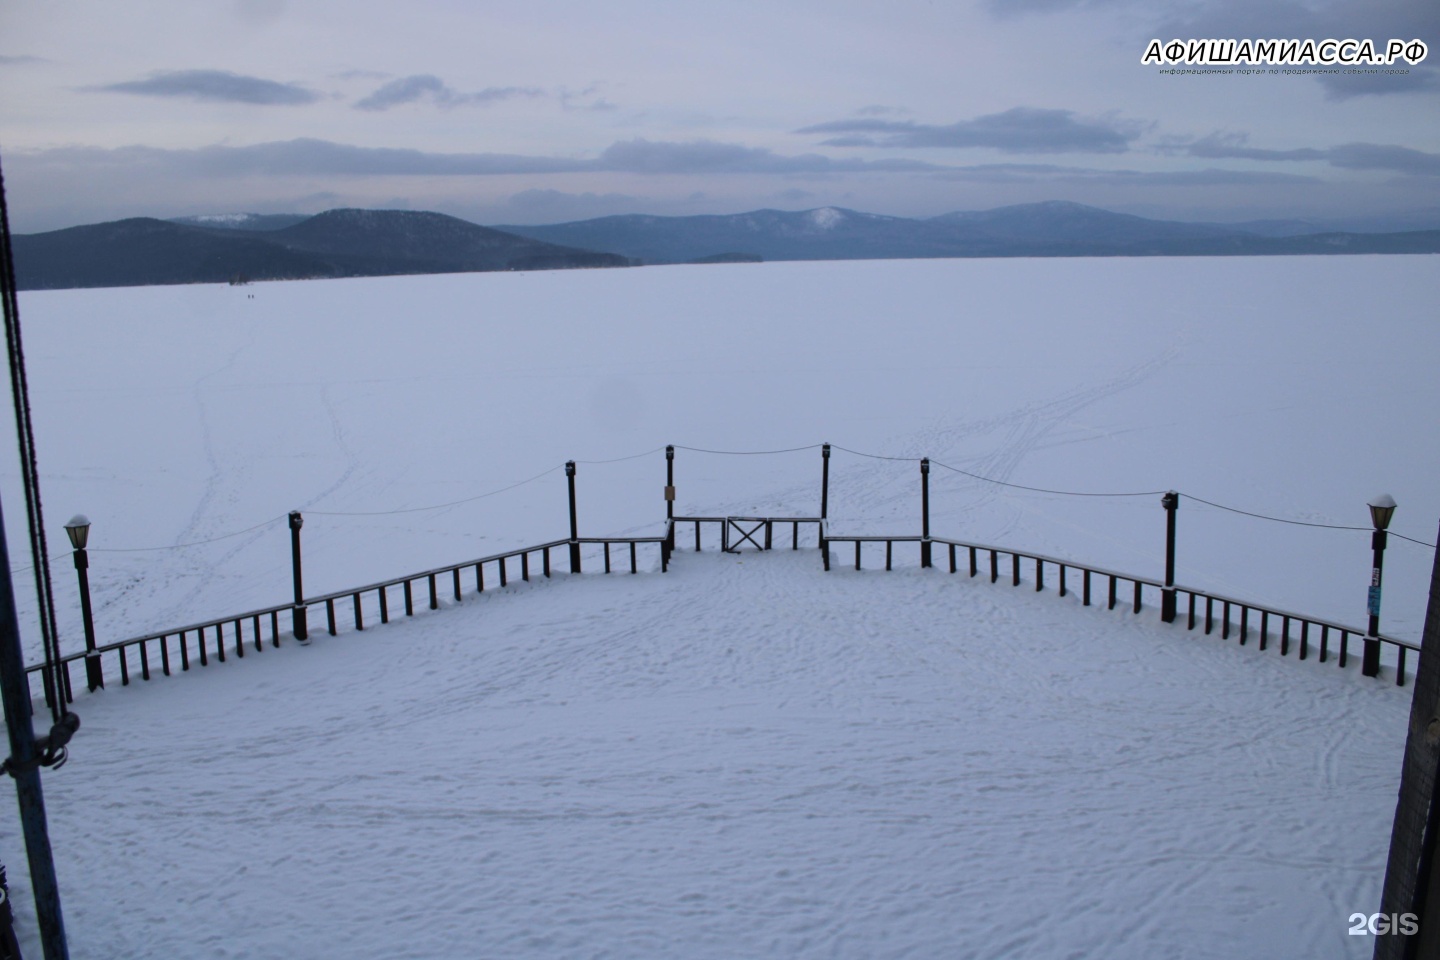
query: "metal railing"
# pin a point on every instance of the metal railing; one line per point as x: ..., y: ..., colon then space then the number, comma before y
x: 1292, y: 628
x: 191, y: 644
x: 757, y: 524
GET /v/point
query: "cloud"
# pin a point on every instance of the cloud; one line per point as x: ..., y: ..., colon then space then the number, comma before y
x: 1019, y: 130
x: 1044, y: 172
x: 20, y: 60
x: 217, y: 86
x: 425, y: 86
x: 308, y: 157
x: 1349, y: 156
x: 570, y: 100
x: 1219, y: 146
x: 709, y: 156
x: 880, y: 110
x: 1374, y: 156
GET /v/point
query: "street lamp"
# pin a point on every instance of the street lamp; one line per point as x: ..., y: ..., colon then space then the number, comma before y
x: 79, y: 531
x: 1382, y: 508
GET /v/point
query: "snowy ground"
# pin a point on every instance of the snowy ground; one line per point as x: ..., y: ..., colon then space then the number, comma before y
x: 901, y: 764
x: 746, y: 757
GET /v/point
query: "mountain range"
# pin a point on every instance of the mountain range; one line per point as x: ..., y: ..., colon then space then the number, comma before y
x: 338, y: 243
x: 351, y: 243
x: 1050, y: 229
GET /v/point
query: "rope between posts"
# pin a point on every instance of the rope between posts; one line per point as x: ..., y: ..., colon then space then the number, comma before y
x: 749, y: 453
x: 1063, y: 493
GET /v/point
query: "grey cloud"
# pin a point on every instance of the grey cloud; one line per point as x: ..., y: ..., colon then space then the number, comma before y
x: 300, y: 158
x: 1220, y: 146
x: 1373, y: 156
x: 1019, y: 130
x: 1039, y: 172
x: 20, y: 60
x: 426, y: 86
x: 323, y: 157
x: 216, y: 85
x: 570, y: 100
x: 1349, y: 156
x: 708, y: 156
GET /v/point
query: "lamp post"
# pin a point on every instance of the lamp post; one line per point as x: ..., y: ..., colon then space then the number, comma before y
x: 1171, y: 502
x: 299, y: 612
x: 1382, y: 508
x: 574, y: 526
x: 78, y: 530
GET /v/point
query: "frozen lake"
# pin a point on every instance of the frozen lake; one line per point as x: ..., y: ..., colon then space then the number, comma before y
x: 736, y: 758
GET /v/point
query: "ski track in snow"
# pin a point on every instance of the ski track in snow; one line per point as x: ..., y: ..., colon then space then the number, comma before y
x: 743, y: 757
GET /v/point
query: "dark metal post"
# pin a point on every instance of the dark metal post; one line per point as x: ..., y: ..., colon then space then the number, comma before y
x: 1370, y: 659
x: 14, y: 690
x: 824, y: 502
x: 94, y: 675
x: 667, y: 547
x: 669, y: 481
x: 1171, y: 503
x: 298, y: 612
x: 925, y: 512
x: 574, y: 526
x: 824, y: 480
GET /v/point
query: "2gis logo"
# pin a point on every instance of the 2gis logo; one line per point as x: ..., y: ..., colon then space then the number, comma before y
x: 1381, y: 924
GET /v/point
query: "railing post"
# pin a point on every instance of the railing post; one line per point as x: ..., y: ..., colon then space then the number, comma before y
x: 669, y: 481
x: 824, y: 501
x: 1171, y: 503
x: 574, y: 526
x: 824, y: 480
x: 925, y: 512
x: 1370, y: 657
x: 667, y: 546
x: 297, y: 612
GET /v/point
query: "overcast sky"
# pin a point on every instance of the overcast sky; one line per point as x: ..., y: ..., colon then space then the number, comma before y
x: 509, y: 112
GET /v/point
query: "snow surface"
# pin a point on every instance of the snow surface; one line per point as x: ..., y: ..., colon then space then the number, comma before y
x: 751, y: 758
x: 744, y: 757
